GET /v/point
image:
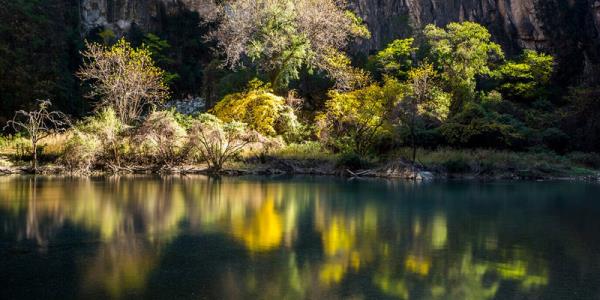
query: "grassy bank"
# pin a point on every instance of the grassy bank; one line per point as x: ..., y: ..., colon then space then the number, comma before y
x: 496, y: 163
x: 311, y: 157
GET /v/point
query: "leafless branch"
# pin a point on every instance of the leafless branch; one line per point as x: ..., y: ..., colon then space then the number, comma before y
x: 38, y: 124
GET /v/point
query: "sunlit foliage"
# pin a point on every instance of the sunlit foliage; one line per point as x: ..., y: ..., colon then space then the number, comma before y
x: 424, y: 99
x: 527, y: 78
x: 397, y: 58
x: 218, y: 141
x: 123, y: 78
x: 161, y: 137
x: 81, y: 151
x: 281, y: 36
x: 108, y: 129
x: 260, y: 109
x: 462, y: 51
x: 354, y: 121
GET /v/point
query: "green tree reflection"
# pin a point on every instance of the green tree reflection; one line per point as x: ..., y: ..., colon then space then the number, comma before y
x: 300, y: 238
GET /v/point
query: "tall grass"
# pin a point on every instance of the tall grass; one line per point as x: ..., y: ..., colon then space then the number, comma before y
x: 309, y: 150
x: 19, y: 147
x: 482, y: 161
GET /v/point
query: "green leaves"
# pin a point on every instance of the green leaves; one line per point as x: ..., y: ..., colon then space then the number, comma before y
x: 358, y: 27
x: 526, y: 78
x: 158, y: 49
x: 280, y: 37
x: 354, y: 121
x: 426, y: 94
x: 462, y: 51
x: 397, y: 58
x: 124, y: 78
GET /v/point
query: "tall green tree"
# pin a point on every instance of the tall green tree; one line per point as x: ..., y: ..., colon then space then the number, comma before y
x: 397, y: 58
x: 526, y: 78
x: 462, y: 51
x: 159, y: 50
x: 355, y: 121
x: 279, y: 37
x: 424, y: 99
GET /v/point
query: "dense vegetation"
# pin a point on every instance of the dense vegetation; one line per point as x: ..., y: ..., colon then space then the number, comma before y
x: 281, y: 78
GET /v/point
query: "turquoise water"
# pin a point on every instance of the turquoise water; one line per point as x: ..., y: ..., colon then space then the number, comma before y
x: 297, y: 238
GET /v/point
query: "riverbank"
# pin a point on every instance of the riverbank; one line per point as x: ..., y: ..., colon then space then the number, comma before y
x: 438, y: 164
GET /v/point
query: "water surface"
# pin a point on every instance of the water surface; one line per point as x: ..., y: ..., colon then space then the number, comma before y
x: 297, y: 238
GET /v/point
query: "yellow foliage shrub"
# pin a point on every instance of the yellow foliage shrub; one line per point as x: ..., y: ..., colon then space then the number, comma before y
x: 258, y: 107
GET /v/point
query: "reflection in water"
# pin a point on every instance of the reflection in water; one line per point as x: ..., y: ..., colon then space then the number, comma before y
x: 262, y: 231
x: 191, y: 237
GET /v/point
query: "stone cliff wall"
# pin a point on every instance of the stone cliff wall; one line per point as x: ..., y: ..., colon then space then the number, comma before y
x: 514, y: 23
x: 570, y: 29
x: 119, y: 15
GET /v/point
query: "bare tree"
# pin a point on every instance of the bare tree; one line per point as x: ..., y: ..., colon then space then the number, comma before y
x: 39, y: 124
x: 123, y: 78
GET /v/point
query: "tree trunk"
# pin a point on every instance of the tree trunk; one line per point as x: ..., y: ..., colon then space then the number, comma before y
x: 414, y: 150
x: 35, y: 165
x: 116, y: 154
x: 275, y: 80
x: 412, y: 136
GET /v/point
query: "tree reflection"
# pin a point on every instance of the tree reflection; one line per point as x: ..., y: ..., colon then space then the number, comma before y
x: 301, y: 239
x: 262, y: 231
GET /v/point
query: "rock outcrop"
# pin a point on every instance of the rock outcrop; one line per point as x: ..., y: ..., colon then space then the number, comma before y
x: 119, y: 15
x: 569, y: 29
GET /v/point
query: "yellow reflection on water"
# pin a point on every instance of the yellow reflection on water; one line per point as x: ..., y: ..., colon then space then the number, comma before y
x: 263, y: 231
x: 418, y: 265
x: 120, y: 268
x: 134, y: 220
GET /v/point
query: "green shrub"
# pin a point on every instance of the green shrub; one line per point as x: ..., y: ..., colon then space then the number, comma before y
x: 290, y: 128
x: 303, y: 151
x: 217, y: 142
x: 555, y: 139
x: 161, y: 138
x: 260, y: 109
x: 80, y: 151
x: 355, y: 121
x: 108, y: 129
x: 591, y: 160
x: 353, y: 161
x: 477, y: 127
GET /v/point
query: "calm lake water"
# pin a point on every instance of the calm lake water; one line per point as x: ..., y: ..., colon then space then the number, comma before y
x: 297, y: 238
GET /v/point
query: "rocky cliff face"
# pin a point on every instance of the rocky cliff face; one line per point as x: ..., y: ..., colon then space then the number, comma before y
x: 515, y: 23
x: 570, y: 29
x: 119, y: 15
